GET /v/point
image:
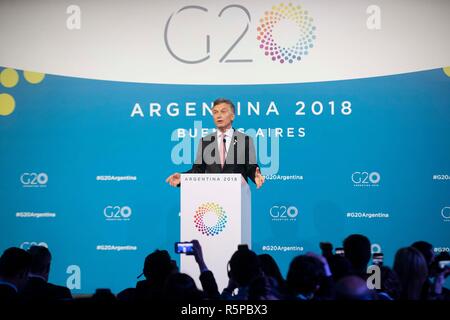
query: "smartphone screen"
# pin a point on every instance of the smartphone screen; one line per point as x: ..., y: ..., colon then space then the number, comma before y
x: 377, y: 258
x: 184, y: 247
x: 340, y: 252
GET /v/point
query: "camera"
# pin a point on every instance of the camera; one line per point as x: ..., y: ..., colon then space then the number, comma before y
x: 339, y: 252
x: 441, y: 264
x: 444, y: 264
x: 377, y: 259
x: 185, y: 247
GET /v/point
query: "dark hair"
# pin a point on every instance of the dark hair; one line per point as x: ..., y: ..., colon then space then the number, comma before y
x: 158, y: 265
x: 304, y: 275
x: 181, y: 287
x: 352, y: 288
x: 340, y: 267
x: 40, y: 259
x: 270, y: 268
x: 412, y: 271
x: 426, y: 249
x: 357, y: 250
x: 223, y: 100
x: 244, y: 266
x: 13, y: 262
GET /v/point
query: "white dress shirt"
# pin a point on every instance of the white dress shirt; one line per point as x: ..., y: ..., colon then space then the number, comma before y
x: 228, y: 136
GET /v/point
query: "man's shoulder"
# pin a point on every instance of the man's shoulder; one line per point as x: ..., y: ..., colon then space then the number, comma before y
x: 240, y: 136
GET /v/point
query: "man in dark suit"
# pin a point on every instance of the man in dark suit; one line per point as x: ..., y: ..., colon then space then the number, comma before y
x: 14, y: 267
x: 226, y: 150
x: 38, y: 289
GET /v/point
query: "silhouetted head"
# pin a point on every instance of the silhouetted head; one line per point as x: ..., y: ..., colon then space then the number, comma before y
x: 181, y: 287
x: 357, y: 250
x: 103, y: 295
x: 412, y: 270
x: 270, y: 268
x: 305, y: 275
x: 40, y: 261
x: 14, y: 266
x: 244, y: 266
x: 426, y: 249
x: 352, y: 288
x: 340, y: 267
x: 158, y: 265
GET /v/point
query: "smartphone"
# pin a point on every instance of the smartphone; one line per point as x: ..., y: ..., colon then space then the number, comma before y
x: 444, y: 264
x: 377, y: 258
x: 339, y: 252
x: 185, y: 247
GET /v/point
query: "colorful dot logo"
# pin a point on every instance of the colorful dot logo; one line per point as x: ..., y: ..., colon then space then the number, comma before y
x: 303, y: 30
x: 214, y: 209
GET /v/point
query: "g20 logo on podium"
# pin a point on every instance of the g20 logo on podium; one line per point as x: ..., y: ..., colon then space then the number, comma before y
x: 210, y: 219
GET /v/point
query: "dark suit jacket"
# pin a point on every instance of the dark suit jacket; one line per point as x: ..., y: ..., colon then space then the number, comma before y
x: 38, y: 289
x: 241, y: 157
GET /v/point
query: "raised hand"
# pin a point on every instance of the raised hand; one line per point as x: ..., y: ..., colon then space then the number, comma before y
x: 174, y: 179
x: 259, y: 178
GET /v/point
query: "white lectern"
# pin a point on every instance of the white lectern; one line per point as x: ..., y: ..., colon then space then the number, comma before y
x: 215, y: 210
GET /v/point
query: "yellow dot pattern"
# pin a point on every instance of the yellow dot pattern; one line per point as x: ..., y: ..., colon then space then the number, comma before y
x: 9, y: 78
x: 7, y: 104
x: 33, y: 77
x: 447, y: 71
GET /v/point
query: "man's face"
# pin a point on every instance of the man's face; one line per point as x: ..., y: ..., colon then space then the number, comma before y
x: 223, y: 116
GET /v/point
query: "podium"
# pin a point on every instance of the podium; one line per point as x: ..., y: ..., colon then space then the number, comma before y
x: 215, y: 210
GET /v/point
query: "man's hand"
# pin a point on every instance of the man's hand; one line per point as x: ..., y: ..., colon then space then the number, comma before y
x: 259, y: 178
x: 174, y: 179
x: 198, y: 254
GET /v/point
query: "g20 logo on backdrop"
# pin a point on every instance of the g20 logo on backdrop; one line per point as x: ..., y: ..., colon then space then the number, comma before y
x: 375, y: 248
x: 33, y: 179
x: 117, y: 213
x: 285, y: 33
x: 366, y: 179
x: 283, y: 213
x: 286, y: 20
x: 27, y: 244
x: 210, y: 219
x: 445, y: 213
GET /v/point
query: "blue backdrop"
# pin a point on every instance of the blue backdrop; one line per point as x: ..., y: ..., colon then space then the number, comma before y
x: 381, y: 170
